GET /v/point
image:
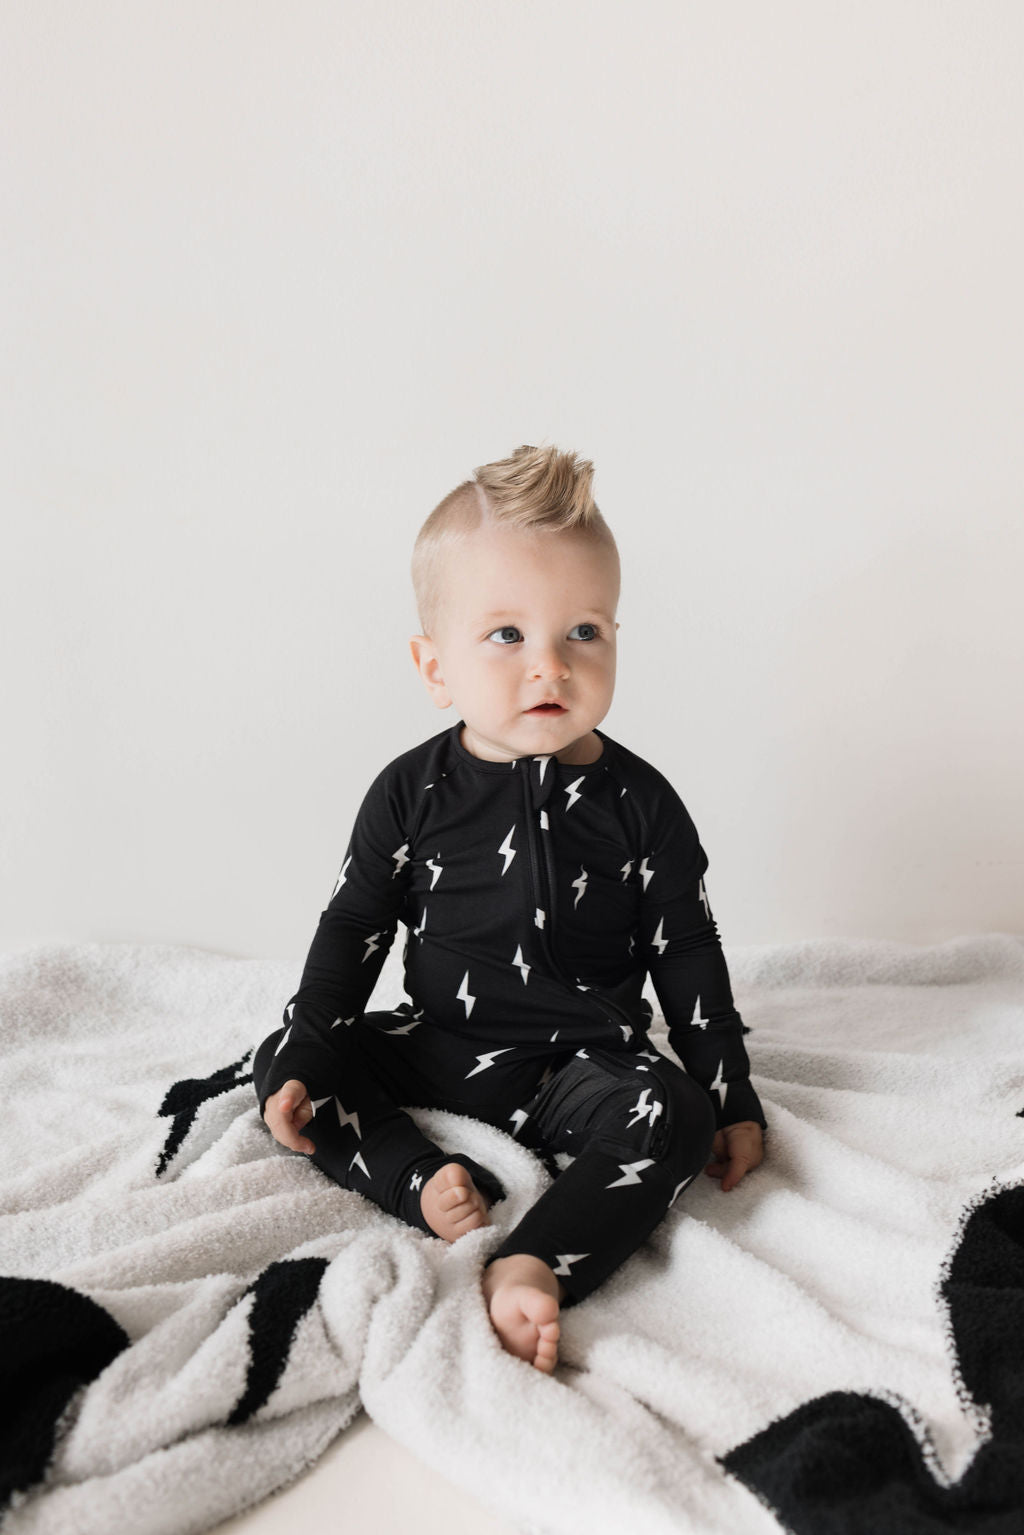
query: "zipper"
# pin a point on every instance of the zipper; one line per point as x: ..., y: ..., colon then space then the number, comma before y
x: 533, y: 831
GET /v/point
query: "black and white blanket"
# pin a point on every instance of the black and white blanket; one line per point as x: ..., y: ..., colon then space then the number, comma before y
x: 191, y: 1313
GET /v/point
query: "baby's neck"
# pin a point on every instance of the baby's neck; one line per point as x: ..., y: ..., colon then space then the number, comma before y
x: 585, y: 750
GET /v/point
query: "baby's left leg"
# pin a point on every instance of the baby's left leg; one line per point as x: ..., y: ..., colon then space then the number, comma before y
x: 639, y: 1129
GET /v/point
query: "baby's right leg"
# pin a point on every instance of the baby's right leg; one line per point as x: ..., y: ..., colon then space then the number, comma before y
x: 364, y: 1142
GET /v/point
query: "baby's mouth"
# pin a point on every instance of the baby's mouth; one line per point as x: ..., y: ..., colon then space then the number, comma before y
x: 550, y: 708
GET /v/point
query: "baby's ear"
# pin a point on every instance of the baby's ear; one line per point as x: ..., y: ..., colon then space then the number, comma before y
x: 428, y: 663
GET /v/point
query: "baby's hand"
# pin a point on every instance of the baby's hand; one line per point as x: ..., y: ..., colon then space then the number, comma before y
x: 285, y: 1112
x: 736, y: 1149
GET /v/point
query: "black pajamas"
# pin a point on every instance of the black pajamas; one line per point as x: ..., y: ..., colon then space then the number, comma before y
x: 537, y: 896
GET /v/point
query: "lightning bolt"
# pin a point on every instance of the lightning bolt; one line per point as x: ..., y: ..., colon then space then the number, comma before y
x: 485, y: 1060
x: 640, y: 1109
x: 357, y: 1161
x: 566, y: 1260
x: 464, y: 996
x: 405, y: 1028
x: 720, y: 1085
x: 416, y: 1181
x: 524, y: 968
x: 371, y: 946
x: 543, y: 767
x: 572, y: 790
x: 345, y: 1118
x: 703, y: 896
x: 632, y: 942
x: 584, y: 1054
x: 555, y: 1035
x: 679, y: 1188
x: 543, y: 820
x: 630, y: 1173
x: 507, y: 850
x: 284, y: 1040
x: 435, y: 868
x: 518, y: 1118
x: 400, y: 859
x: 579, y: 885
x: 423, y: 922
x: 627, y: 1032
x: 318, y: 1104
x: 626, y: 871
x: 539, y: 918
x: 659, y: 941
x: 345, y: 1021
x: 645, y: 873
x: 697, y: 1020
x: 341, y: 877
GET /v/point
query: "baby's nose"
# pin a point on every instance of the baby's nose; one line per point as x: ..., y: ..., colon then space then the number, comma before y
x: 549, y: 662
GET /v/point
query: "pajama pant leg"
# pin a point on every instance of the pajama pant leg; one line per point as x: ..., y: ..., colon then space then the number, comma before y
x: 363, y: 1140
x: 639, y: 1130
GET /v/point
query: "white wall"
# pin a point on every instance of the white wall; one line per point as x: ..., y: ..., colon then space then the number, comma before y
x: 277, y: 276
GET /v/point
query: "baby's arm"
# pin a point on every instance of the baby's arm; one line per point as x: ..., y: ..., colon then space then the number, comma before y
x: 680, y: 944
x: 351, y: 942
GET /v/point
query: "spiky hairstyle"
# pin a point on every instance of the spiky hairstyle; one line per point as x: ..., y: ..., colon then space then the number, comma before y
x: 534, y: 489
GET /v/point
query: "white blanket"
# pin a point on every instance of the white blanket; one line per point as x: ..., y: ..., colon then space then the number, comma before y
x: 161, y: 1393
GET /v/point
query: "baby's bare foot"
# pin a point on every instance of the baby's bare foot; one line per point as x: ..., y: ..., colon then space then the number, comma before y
x: 522, y: 1295
x: 452, y: 1204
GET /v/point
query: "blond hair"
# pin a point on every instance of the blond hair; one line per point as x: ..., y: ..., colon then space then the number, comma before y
x: 534, y: 489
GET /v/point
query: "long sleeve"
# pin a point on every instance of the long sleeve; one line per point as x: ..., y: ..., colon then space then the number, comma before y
x: 678, y: 938
x: 351, y: 942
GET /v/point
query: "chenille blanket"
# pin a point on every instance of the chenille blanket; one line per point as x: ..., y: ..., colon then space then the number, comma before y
x: 190, y: 1313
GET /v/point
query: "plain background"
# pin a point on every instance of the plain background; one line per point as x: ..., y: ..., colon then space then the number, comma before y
x: 276, y: 277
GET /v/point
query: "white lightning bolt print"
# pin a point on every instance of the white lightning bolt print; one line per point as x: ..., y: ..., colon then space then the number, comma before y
x: 464, y: 996
x: 579, y: 885
x: 436, y: 869
x: 486, y: 1060
x: 318, y: 1104
x: 584, y: 1054
x: 341, y: 877
x: 524, y: 968
x: 543, y: 767
x: 720, y: 1085
x: 679, y: 1189
x: 627, y: 1032
x: 566, y: 1260
x: 539, y: 918
x: 345, y: 1118
x: 284, y: 1040
x: 555, y: 1035
x: 416, y: 1181
x: 507, y: 851
x: 626, y: 870
x: 630, y: 1173
x: 345, y: 1021
x: 405, y: 1028
x: 697, y: 1020
x: 518, y: 1118
x: 645, y: 873
x: 371, y: 946
x: 423, y: 922
x: 573, y: 791
x: 401, y: 858
x: 642, y: 1109
x: 544, y: 820
x: 659, y: 941
x: 702, y: 895
x: 357, y: 1161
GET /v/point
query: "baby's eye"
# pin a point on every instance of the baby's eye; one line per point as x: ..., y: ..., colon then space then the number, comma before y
x: 506, y: 636
x: 591, y: 634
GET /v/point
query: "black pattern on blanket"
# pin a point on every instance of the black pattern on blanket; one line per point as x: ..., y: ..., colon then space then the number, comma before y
x: 191, y: 1313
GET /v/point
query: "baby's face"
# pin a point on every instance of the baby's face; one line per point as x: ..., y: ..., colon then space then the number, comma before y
x: 525, y: 649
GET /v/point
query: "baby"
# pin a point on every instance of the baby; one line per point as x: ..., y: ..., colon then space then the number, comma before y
x: 541, y: 870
